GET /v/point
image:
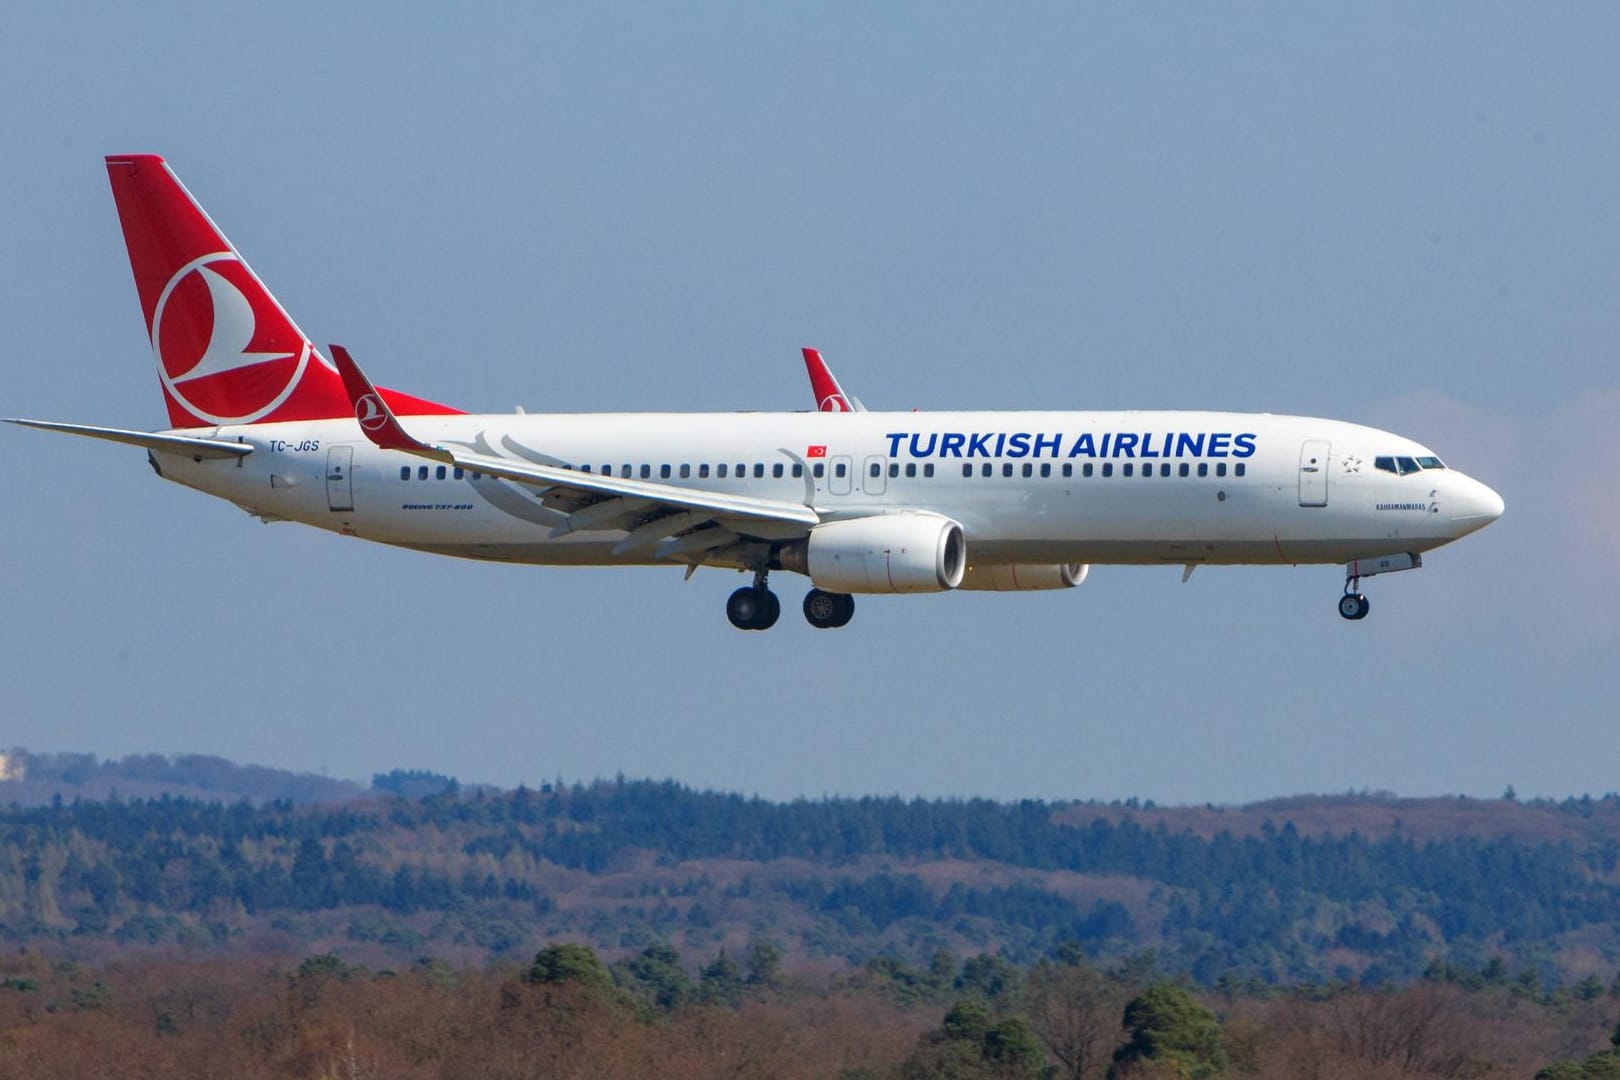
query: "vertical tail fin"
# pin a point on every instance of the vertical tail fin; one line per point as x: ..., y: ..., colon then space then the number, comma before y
x: 227, y: 352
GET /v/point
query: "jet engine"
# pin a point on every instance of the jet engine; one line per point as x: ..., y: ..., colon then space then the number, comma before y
x: 1024, y: 577
x: 885, y: 553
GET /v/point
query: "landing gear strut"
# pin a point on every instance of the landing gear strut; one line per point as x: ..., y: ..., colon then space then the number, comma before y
x: 754, y: 607
x: 828, y: 610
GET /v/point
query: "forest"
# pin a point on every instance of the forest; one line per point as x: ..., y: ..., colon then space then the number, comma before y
x: 1362, y: 889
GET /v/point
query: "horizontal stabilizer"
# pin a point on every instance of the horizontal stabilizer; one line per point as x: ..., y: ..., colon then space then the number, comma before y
x: 151, y: 440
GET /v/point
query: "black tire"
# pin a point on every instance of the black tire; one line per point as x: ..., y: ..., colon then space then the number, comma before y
x: 743, y: 608
x: 846, y: 609
x: 1354, y: 606
x: 770, y: 610
x: 822, y: 609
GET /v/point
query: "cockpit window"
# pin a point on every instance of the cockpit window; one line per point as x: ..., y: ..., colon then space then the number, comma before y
x: 1403, y: 466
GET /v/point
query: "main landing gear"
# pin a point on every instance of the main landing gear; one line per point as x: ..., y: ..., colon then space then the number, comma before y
x: 755, y: 607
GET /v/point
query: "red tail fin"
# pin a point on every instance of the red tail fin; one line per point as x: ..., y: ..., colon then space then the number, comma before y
x: 227, y: 352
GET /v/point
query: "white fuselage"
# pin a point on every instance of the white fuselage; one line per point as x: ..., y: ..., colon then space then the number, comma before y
x: 1062, y: 487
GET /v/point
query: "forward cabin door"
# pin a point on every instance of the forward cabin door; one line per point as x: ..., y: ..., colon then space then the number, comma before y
x: 339, y: 485
x: 1313, y: 463
x: 839, y: 480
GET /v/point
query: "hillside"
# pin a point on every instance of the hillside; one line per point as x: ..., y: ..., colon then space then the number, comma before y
x: 470, y: 876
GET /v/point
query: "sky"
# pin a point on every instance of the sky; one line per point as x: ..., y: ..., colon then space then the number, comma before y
x: 1401, y: 215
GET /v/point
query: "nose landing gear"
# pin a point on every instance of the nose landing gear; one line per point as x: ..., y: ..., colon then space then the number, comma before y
x: 1352, y: 605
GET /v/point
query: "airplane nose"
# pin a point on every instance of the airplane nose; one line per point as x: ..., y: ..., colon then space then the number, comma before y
x: 1475, y: 505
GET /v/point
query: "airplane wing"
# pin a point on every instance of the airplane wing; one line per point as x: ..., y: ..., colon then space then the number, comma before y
x: 151, y: 440
x: 830, y: 397
x: 672, y: 522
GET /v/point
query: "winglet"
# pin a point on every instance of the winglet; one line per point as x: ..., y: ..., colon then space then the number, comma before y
x: 830, y: 397
x: 376, y: 419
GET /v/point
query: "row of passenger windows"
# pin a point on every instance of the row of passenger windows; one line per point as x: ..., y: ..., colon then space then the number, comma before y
x: 1106, y: 469
x: 1403, y: 465
x: 875, y: 470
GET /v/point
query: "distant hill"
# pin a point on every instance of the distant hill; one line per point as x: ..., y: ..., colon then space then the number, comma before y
x: 29, y: 779
x: 1309, y: 890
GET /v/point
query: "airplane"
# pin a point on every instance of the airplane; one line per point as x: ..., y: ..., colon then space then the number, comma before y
x: 859, y: 502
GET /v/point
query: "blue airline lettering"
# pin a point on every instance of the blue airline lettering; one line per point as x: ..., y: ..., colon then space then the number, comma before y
x: 1118, y: 444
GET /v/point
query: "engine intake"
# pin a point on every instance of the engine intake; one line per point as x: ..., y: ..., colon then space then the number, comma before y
x: 885, y: 553
x: 1024, y: 577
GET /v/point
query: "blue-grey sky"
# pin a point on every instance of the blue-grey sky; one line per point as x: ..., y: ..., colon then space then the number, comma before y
x: 1399, y: 214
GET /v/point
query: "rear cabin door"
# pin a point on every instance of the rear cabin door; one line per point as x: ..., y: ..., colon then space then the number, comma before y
x: 1313, y: 463
x: 339, y: 486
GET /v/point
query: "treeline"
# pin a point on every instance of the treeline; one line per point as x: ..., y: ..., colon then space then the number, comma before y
x: 33, y: 779
x: 624, y: 863
x: 566, y: 1013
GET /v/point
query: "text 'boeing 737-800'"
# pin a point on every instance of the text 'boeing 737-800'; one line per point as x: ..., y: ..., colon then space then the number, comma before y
x: 857, y: 500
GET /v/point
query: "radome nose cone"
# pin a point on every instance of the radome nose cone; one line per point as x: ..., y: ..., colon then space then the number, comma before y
x: 1477, y: 506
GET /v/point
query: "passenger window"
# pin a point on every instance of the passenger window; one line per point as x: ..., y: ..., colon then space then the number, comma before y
x: 928, y: 469
x: 1203, y: 468
x: 438, y: 473
x: 841, y: 469
x: 911, y: 469
x: 1108, y: 468
x: 646, y: 472
x: 1220, y: 468
x: 742, y: 472
x: 1125, y: 470
x: 820, y: 470
x: 720, y: 471
x: 1006, y: 470
x: 1046, y: 469
x: 686, y: 471
x: 663, y: 472
x: 1185, y: 468
x: 607, y: 470
x: 776, y: 471
x: 1029, y: 470
x: 1164, y: 470
x: 1087, y: 469
x: 703, y: 471
x: 404, y: 472
x: 582, y: 468
x: 1239, y: 469
x: 894, y: 469
x: 1068, y: 468
x: 876, y: 470
x: 421, y: 473
x: 798, y: 471
x: 967, y: 470
x: 759, y: 471
x: 984, y: 470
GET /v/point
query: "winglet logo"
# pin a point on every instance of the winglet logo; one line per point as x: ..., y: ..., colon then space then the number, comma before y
x: 220, y: 358
x: 369, y: 411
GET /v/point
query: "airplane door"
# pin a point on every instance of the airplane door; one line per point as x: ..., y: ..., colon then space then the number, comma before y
x: 873, y: 480
x: 339, y: 481
x: 1313, y: 463
x: 838, y: 479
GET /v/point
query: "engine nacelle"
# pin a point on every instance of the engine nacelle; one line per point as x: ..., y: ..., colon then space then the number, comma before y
x: 1024, y: 577
x: 884, y: 553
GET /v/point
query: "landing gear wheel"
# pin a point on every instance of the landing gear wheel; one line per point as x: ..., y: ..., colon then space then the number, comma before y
x: 751, y: 608
x: 828, y: 610
x: 1354, y: 606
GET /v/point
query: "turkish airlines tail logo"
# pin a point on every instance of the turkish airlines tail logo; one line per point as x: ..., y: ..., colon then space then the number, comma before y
x: 227, y: 353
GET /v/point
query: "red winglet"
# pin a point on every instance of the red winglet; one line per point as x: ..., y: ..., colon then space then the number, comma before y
x: 376, y: 419
x: 829, y: 395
